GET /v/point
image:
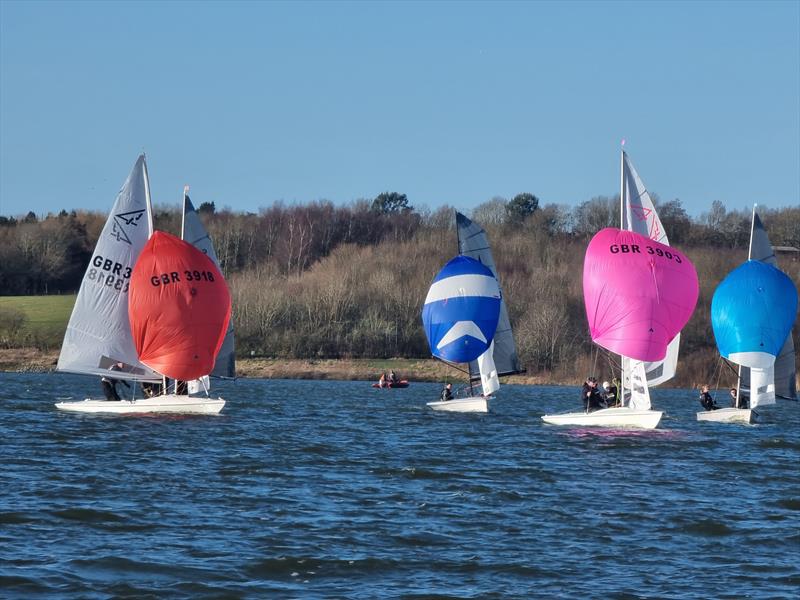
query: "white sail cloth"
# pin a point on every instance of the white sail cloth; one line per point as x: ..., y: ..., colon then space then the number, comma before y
x: 489, y: 379
x: 640, y: 393
x: 98, y: 334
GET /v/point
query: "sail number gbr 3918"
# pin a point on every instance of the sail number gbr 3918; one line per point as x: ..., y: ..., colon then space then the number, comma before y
x: 175, y: 277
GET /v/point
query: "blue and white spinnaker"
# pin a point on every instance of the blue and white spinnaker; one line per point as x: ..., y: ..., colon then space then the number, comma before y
x: 461, y: 310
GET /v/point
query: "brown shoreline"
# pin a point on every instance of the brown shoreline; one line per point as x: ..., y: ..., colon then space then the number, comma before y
x: 32, y: 360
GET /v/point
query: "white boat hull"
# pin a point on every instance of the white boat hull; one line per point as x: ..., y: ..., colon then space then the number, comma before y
x: 608, y: 417
x: 169, y: 403
x: 728, y: 415
x: 475, y: 404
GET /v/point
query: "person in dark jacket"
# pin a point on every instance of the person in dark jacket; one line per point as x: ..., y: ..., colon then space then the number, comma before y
x: 738, y: 402
x: 110, y: 384
x: 610, y: 392
x: 590, y: 395
x: 447, y: 392
x: 706, y: 400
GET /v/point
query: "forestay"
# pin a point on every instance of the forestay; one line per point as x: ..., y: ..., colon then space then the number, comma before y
x: 195, y: 233
x: 474, y: 243
x: 98, y: 334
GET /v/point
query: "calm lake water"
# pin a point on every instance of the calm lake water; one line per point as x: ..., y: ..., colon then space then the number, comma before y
x: 313, y: 489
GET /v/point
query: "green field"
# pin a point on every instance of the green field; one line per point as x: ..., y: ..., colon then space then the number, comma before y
x: 45, y: 319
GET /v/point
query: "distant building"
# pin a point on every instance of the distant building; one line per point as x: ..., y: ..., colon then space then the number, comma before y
x: 790, y: 252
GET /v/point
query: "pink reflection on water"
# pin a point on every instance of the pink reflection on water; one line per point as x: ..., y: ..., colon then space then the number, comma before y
x: 612, y: 432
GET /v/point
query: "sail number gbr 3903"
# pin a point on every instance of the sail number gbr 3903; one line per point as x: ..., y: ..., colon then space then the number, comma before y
x: 175, y: 277
x: 634, y: 249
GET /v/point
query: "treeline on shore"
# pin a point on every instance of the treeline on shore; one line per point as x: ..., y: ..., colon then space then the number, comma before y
x: 323, y: 281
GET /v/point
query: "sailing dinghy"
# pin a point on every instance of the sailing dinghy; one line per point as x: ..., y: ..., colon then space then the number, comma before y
x: 474, y: 243
x: 460, y: 317
x: 638, y: 293
x: 159, y: 309
x: 752, y: 313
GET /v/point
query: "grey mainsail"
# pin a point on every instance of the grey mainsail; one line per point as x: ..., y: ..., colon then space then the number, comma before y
x: 785, y: 363
x: 473, y: 242
x: 98, y: 334
x: 193, y: 231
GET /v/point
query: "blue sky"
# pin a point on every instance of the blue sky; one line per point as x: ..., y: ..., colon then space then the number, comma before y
x: 450, y: 103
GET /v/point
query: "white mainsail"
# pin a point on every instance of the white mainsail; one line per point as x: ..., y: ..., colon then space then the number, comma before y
x: 98, y: 334
x: 488, y: 371
x: 761, y: 386
x: 639, y: 215
x: 784, y: 381
x: 473, y: 242
x: 640, y: 393
x: 193, y: 231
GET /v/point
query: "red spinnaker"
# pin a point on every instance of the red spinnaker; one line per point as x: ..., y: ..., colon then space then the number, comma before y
x: 179, y: 307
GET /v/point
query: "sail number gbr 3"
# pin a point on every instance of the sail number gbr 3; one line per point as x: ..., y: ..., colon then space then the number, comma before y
x: 105, y: 271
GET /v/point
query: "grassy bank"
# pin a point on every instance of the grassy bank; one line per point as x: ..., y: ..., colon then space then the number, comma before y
x: 38, y: 321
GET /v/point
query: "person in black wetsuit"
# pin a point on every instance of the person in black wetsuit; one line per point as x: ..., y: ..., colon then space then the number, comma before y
x: 706, y: 400
x: 447, y: 392
x: 110, y: 384
x: 590, y: 395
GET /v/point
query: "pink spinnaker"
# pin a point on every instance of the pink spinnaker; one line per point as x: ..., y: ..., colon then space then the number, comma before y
x: 638, y: 293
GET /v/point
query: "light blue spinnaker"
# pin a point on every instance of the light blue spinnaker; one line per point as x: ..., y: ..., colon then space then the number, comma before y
x: 752, y: 312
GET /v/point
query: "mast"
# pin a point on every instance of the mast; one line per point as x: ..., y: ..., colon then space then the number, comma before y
x: 621, y: 399
x: 749, y: 257
x: 752, y: 229
x: 183, y: 212
x: 148, y: 200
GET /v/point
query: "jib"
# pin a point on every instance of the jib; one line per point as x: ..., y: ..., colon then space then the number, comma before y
x: 106, y: 264
x: 625, y: 248
x: 165, y: 278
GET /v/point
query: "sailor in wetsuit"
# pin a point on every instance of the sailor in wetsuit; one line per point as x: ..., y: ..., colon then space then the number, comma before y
x: 706, y: 400
x: 590, y: 395
x: 110, y: 384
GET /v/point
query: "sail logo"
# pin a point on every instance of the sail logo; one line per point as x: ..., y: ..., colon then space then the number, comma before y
x: 644, y: 214
x: 123, y: 220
